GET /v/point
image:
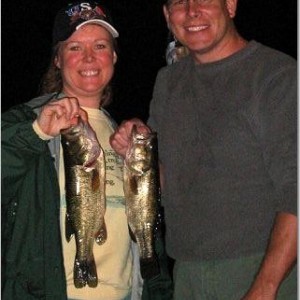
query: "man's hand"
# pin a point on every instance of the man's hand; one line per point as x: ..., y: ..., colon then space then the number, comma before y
x: 120, y: 139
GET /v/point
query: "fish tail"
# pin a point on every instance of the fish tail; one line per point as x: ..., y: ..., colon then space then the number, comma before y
x: 148, y: 261
x: 80, y: 273
x: 92, y: 278
x: 85, y: 273
x: 149, y: 267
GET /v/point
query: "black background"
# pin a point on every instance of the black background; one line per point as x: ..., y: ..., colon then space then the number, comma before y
x: 26, y: 45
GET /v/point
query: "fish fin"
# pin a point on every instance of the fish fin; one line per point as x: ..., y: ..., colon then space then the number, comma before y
x: 69, y: 230
x: 131, y: 234
x: 133, y: 182
x: 92, y: 278
x: 101, y: 235
x: 95, y: 179
x: 149, y: 267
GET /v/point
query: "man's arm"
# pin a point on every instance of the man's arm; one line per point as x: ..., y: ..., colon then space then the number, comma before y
x: 279, y: 259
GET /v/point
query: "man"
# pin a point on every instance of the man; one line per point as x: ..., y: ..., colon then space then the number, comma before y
x: 226, y: 121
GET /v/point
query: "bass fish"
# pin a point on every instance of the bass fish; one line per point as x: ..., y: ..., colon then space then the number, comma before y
x: 141, y: 189
x: 85, y: 196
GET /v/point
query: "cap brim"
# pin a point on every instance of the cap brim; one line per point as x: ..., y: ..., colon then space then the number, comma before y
x: 102, y: 23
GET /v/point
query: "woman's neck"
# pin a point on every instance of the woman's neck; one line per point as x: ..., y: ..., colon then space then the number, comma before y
x: 91, y: 101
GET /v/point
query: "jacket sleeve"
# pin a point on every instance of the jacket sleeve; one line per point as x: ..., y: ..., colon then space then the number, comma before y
x: 278, y: 135
x: 31, y: 255
x: 20, y: 147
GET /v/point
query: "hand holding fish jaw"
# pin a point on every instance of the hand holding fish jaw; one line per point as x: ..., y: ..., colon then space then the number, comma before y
x: 120, y: 139
x: 61, y: 114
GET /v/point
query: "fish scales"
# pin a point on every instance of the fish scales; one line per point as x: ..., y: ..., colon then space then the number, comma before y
x: 142, y: 211
x: 141, y: 189
x: 85, y: 196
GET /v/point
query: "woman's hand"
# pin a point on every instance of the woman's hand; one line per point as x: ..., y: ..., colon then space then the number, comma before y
x: 60, y: 114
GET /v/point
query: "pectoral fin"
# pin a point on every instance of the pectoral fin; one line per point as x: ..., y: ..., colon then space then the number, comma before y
x: 133, y: 183
x: 101, y: 235
x: 69, y: 230
x: 131, y: 234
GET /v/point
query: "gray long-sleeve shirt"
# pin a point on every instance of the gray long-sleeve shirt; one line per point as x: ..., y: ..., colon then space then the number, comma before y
x: 227, y: 136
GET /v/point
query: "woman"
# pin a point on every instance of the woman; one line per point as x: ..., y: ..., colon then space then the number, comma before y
x: 36, y: 258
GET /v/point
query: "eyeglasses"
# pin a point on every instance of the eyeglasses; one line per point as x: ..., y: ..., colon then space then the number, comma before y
x: 181, y: 4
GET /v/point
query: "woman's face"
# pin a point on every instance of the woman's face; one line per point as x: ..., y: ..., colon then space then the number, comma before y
x: 86, y: 60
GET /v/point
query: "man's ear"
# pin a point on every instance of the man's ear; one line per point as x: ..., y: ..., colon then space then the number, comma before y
x: 231, y: 7
x: 166, y: 14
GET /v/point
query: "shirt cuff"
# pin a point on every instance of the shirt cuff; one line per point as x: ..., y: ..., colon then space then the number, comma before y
x: 37, y: 129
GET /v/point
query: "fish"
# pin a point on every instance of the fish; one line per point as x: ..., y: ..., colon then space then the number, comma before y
x: 141, y: 191
x: 85, y: 197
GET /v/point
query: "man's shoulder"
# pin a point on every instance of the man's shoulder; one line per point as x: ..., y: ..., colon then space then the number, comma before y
x: 173, y: 72
x: 274, y: 56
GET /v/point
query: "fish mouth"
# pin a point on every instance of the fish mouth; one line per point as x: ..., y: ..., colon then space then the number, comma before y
x: 89, y: 165
x: 139, y: 167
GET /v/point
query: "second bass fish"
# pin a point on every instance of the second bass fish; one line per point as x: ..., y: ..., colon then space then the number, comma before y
x: 141, y: 189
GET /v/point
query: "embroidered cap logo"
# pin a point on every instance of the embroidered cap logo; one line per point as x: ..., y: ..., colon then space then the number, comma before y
x: 85, y: 12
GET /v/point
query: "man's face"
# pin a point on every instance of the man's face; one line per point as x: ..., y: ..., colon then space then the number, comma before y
x: 204, y: 26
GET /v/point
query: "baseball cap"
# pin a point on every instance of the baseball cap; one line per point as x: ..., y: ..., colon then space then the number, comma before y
x: 77, y: 14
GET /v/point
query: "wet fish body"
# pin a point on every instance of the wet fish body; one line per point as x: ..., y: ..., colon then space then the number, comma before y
x: 141, y: 189
x: 85, y: 197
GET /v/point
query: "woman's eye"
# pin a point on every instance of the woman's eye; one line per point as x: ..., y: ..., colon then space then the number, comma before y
x: 100, y: 46
x: 74, y: 48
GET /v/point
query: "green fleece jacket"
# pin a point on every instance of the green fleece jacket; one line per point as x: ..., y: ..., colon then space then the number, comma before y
x: 32, y: 264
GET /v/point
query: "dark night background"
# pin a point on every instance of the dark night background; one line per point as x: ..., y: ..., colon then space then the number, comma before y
x: 26, y: 45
